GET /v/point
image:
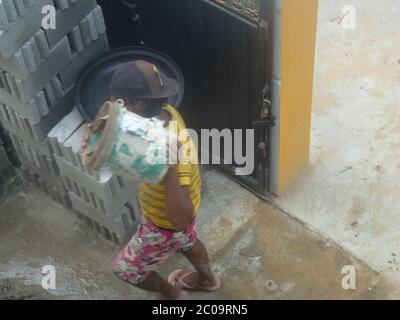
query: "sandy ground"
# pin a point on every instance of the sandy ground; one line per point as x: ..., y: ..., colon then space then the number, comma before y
x: 350, y: 190
x: 271, y: 257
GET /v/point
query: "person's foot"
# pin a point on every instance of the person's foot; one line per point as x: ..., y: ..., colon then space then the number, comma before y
x: 190, y: 279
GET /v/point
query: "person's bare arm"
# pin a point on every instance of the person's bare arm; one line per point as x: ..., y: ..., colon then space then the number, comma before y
x: 179, y: 205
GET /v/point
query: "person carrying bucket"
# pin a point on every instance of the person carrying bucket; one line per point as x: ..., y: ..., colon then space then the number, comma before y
x: 169, y: 208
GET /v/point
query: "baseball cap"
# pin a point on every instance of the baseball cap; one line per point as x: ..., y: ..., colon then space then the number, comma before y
x: 140, y: 79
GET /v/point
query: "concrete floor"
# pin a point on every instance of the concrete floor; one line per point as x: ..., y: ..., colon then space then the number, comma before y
x: 271, y: 256
x: 351, y: 189
x: 346, y: 194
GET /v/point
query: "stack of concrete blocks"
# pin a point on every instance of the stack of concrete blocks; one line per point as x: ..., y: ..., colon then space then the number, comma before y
x: 105, y: 201
x: 38, y: 68
x: 5, y: 165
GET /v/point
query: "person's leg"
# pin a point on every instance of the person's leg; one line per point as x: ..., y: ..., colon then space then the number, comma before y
x: 145, y: 251
x: 198, y: 257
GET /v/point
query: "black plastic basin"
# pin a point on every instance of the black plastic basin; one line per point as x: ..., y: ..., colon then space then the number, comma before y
x: 93, y: 86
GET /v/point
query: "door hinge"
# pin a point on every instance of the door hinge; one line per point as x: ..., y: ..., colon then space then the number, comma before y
x: 265, y: 115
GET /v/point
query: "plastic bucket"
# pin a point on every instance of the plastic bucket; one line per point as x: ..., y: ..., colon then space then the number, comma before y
x: 129, y: 145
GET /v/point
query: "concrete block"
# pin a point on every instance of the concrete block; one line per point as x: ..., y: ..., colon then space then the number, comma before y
x: 5, y: 140
x: 26, y: 90
x: 29, y: 3
x: 16, y: 32
x: 43, y: 162
x: 79, y: 187
x: 89, y: 29
x: 29, y: 57
x: 38, y: 107
x: 99, y: 20
x: 35, y: 153
x: 61, y: 4
x: 15, y: 134
x: 70, y: 73
x: 6, y: 173
x: 4, y: 161
x: 20, y: 7
x: 3, y: 17
x: 68, y: 18
x: 37, y: 181
x: 106, y: 195
x: 70, y: 151
x: 75, y: 39
x: 12, y: 121
x: 100, y: 189
x: 122, y: 224
x: 63, y: 130
x: 47, y: 176
x: 10, y: 10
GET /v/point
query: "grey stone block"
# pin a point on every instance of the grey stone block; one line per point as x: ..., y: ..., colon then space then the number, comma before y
x: 10, y: 10
x: 17, y: 32
x: 3, y: 17
x: 6, y: 173
x: 4, y: 161
x: 20, y: 7
x: 47, y: 176
x: 37, y: 154
x: 14, y: 135
x: 75, y: 38
x: 68, y: 18
x: 45, y: 163
x: 29, y: 3
x: 99, y: 20
x: 26, y: 90
x: 89, y: 29
x: 63, y: 130
x: 70, y: 151
x: 61, y: 4
x: 12, y: 121
x: 38, y: 107
x: 37, y: 181
x: 85, y: 189
x: 101, y: 189
x: 107, y: 194
x: 29, y: 57
x: 122, y: 224
x: 70, y: 73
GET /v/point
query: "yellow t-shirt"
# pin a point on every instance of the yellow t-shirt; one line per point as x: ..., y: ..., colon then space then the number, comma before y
x: 152, y: 197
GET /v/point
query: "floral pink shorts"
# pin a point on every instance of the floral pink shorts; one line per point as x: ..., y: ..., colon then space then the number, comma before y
x: 150, y: 247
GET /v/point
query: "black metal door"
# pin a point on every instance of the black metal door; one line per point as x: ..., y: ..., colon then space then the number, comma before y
x: 223, y: 50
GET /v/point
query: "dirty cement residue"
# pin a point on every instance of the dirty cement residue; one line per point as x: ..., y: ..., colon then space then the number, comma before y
x: 273, y: 257
x: 277, y: 257
x: 15, y: 289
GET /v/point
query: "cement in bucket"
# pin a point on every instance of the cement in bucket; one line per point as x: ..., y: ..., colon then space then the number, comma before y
x: 131, y: 146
